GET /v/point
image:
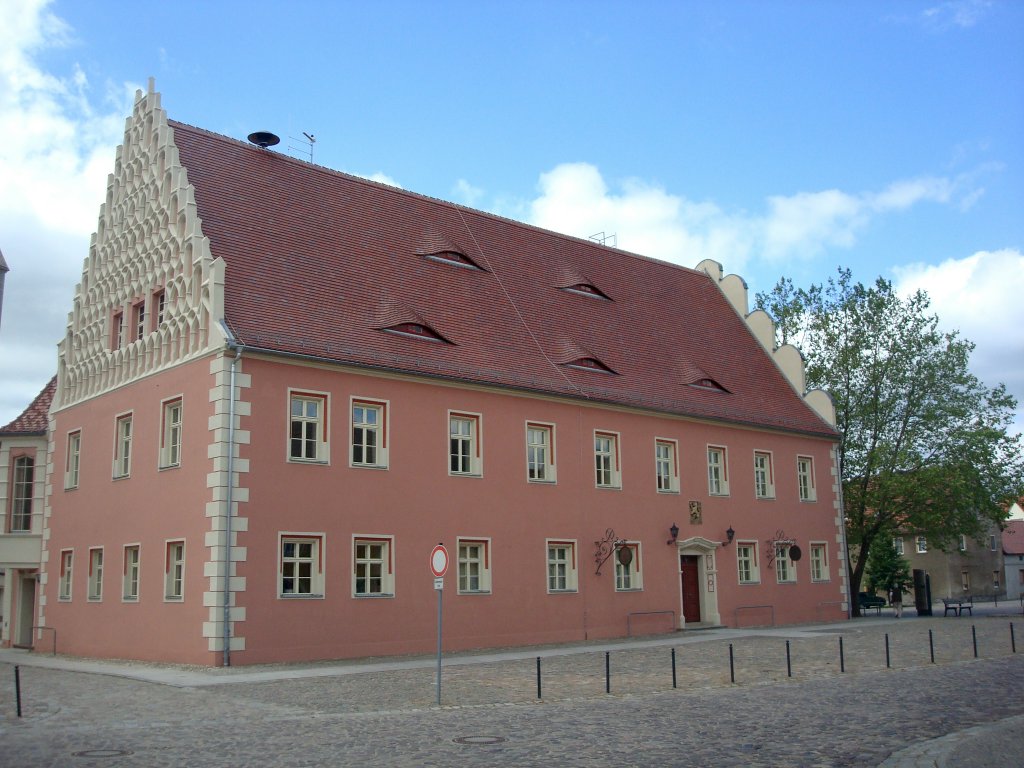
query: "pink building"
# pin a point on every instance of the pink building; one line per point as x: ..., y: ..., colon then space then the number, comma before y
x: 281, y: 386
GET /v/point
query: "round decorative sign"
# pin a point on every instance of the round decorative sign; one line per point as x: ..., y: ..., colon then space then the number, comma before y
x: 625, y: 556
x: 439, y: 560
x: 795, y: 553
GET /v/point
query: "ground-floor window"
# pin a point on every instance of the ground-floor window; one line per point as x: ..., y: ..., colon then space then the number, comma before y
x: 373, y: 572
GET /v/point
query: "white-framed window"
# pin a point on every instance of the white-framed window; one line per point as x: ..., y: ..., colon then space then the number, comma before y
x: 22, y: 494
x: 718, y: 471
x: 562, y: 576
x: 992, y: 543
x: 540, y: 452
x: 464, y: 444
x: 174, y: 571
x: 373, y: 572
x: 369, y: 444
x: 301, y: 565
x: 785, y: 568
x: 67, y: 562
x: 746, y: 562
x: 139, y: 319
x: 805, y: 478
x: 474, y: 566
x: 897, y: 544
x: 96, y: 573
x: 606, y: 460
x: 922, y: 545
x: 764, y: 475
x: 170, y: 433
x: 965, y: 579
x: 628, y: 576
x: 666, y: 465
x: 74, y: 459
x: 116, y: 329
x: 819, y: 561
x: 130, y: 573
x: 307, y: 427
x: 159, y: 307
x: 963, y: 543
x: 123, y: 446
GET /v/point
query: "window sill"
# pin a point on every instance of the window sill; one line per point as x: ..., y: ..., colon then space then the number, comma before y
x: 164, y: 467
x: 809, y: 501
x: 541, y: 482
x: 669, y: 491
x: 373, y: 597
x: 367, y: 466
x: 608, y: 487
x: 129, y: 599
x: 474, y: 592
x: 631, y: 589
x: 750, y: 583
x: 115, y: 478
x: 294, y: 460
x: 820, y: 581
x: 563, y: 591
x: 765, y: 498
x: 173, y: 599
x: 472, y: 475
x: 313, y: 596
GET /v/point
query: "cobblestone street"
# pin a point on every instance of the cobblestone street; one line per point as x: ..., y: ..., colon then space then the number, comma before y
x: 383, y: 712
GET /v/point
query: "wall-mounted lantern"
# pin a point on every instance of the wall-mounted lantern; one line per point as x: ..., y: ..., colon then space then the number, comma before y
x: 674, y: 533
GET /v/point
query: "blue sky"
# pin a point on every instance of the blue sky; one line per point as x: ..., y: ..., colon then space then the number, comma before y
x: 780, y: 138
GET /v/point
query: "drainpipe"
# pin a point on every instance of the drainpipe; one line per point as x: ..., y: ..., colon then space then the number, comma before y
x: 230, y: 496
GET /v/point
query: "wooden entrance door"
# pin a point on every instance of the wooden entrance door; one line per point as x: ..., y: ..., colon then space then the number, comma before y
x: 689, y: 571
x: 26, y: 605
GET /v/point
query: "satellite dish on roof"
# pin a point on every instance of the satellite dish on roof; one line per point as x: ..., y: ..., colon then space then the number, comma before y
x: 264, y: 139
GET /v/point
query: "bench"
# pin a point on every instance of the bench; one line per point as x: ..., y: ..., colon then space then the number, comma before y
x: 958, y: 605
x: 871, y: 601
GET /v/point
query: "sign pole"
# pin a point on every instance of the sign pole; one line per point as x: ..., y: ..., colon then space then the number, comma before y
x: 439, y: 593
x: 438, y: 566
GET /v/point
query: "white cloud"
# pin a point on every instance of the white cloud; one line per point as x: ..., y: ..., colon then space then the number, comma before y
x: 58, y: 147
x: 979, y: 295
x: 466, y: 193
x: 380, y: 178
x: 955, y: 13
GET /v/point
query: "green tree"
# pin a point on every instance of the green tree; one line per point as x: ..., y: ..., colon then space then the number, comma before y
x: 923, y: 444
x: 886, y: 569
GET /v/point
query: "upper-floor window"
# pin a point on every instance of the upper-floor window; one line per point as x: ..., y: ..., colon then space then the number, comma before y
x: 130, y: 580
x: 474, y: 566
x: 170, y: 434
x: 123, y: 446
x: 301, y: 565
x: 992, y: 543
x: 73, y: 461
x: 805, y: 478
x: 139, y: 319
x: 464, y: 456
x: 562, y: 575
x: 628, y: 575
x: 897, y: 543
x: 746, y: 562
x: 159, y: 307
x: 666, y: 466
x: 174, y: 571
x: 922, y: 545
x: 540, y: 452
x: 369, y: 447
x: 307, y: 440
x: 22, y: 493
x: 67, y: 560
x: 606, y: 460
x: 96, y: 574
x: 117, y: 329
x: 373, y: 574
x: 764, y: 478
x: 718, y: 471
x: 963, y: 543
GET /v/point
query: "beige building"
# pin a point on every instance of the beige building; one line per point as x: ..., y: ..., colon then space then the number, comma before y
x: 972, y: 568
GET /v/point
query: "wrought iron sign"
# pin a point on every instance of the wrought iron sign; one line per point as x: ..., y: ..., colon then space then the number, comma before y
x: 772, y: 546
x: 608, y: 546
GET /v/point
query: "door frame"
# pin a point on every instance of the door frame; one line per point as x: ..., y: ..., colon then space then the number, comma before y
x: 707, y: 577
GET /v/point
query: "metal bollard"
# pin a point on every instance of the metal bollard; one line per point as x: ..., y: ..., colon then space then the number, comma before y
x: 931, y: 645
x: 17, y: 687
x: 842, y: 660
x: 538, y: 677
x: 888, y: 663
x: 607, y: 671
x: 674, y: 668
x: 789, y: 663
x: 1013, y: 642
x: 732, y: 666
x: 974, y: 639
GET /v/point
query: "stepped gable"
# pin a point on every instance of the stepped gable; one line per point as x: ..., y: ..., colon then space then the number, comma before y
x: 34, y: 419
x: 317, y: 259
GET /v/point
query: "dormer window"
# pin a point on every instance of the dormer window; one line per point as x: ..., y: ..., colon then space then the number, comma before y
x: 586, y: 289
x: 708, y: 384
x: 455, y: 258
x: 416, y: 331
x: 589, y: 364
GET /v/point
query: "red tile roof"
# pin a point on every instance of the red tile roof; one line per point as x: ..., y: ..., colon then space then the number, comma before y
x: 1013, y: 538
x: 35, y: 419
x: 318, y: 262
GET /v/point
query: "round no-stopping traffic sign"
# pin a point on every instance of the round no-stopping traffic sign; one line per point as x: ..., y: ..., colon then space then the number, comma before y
x: 438, y: 560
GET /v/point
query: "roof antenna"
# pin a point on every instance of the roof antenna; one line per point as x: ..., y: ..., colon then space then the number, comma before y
x: 603, y: 239
x: 307, y: 144
x: 264, y: 139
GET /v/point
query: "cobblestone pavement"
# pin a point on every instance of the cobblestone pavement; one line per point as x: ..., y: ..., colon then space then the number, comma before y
x: 959, y: 711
